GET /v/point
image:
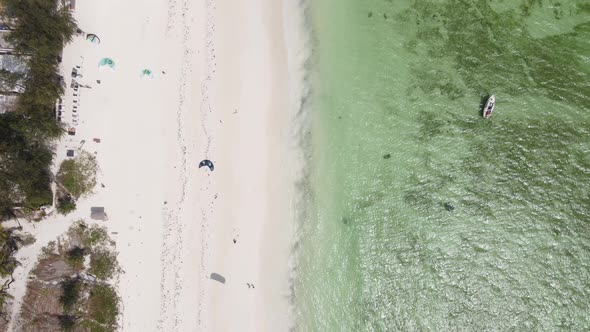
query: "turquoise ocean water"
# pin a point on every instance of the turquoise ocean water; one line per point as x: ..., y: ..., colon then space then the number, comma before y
x: 398, y: 87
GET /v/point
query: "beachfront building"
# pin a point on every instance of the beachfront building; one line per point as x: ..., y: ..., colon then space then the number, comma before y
x: 12, y: 67
x: 12, y: 73
x: 13, y: 70
x: 5, y: 46
x: 6, y: 20
x: 71, y: 4
x: 7, y: 103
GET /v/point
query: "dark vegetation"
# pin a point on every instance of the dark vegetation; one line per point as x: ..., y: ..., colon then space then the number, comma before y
x: 7, y: 265
x: 98, y: 309
x: 75, y: 256
x: 40, y: 31
x: 103, y: 263
x: 9, y: 243
x: 71, y: 292
x: 65, y: 204
x: 92, y: 305
x: 67, y: 322
x: 103, y: 308
x: 9, y: 81
x: 78, y: 175
x: 65, y: 292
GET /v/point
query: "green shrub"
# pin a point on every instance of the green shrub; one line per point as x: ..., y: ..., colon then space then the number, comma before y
x: 93, y: 326
x: 24, y: 180
x: 4, y: 296
x: 27, y: 239
x: 75, y: 257
x: 67, y: 322
x: 8, y: 245
x: 78, y: 175
x: 103, y: 306
x: 103, y: 263
x: 95, y: 235
x: 41, y: 196
x: 71, y: 288
x: 65, y: 205
x: 41, y: 28
x: 49, y: 249
x: 89, y: 236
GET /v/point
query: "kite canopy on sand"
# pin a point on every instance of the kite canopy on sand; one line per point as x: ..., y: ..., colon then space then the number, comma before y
x: 146, y: 73
x: 93, y: 38
x: 218, y: 277
x: 208, y: 163
x: 106, y: 63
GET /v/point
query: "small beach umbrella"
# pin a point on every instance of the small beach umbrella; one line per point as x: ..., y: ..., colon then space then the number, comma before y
x: 146, y: 73
x: 106, y: 63
x: 93, y: 38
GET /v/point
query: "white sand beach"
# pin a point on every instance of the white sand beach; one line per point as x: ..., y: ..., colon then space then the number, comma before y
x: 220, y: 91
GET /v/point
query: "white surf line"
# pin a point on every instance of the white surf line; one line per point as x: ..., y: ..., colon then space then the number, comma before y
x: 182, y: 138
x: 167, y: 231
x: 205, y: 109
x: 210, y: 65
x: 173, y: 241
x: 171, y: 13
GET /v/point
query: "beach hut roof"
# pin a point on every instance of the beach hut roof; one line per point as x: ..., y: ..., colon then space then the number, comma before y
x: 7, y: 103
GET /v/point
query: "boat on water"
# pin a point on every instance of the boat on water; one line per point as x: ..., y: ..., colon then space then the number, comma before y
x: 489, y: 108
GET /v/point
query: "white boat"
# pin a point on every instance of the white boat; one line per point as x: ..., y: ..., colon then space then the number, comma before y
x: 489, y: 108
